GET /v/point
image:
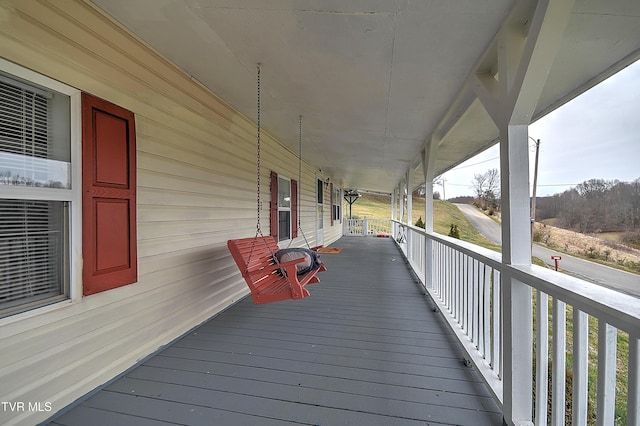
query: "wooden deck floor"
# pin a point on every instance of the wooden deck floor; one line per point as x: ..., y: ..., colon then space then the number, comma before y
x: 364, y: 349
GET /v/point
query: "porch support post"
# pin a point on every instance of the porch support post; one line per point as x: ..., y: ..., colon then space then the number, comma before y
x: 514, y: 182
x: 516, y: 296
x: 525, y: 53
x: 428, y: 170
x: 409, y: 181
x: 401, y: 186
x: 393, y: 212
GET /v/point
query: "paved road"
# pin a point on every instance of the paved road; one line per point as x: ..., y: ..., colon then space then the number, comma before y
x: 588, y: 271
x: 482, y: 223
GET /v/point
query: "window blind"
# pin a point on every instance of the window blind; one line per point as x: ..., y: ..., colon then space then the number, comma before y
x: 24, y: 134
x: 31, y: 250
x: 33, y: 233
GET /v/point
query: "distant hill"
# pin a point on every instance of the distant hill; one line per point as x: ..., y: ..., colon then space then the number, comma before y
x: 462, y: 200
x: 596, y: 206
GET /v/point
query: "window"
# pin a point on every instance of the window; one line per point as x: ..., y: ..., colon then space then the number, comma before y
x: 319, y: 207
x: 35, y: 189
x: 336, y: 201
x: 320, y: 191
x: 283, y: 207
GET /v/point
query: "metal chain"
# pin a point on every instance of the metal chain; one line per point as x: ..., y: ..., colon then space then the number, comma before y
x: 299, y: 167
x: 300, y: 180
x: 258, y: 229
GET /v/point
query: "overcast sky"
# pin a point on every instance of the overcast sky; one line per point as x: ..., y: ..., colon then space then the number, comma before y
x: 597, y: 135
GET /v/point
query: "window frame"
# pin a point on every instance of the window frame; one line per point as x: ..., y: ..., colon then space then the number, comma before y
x: 274, y: 212
x: 285, y: 209
x: 72, y: 291
x: 319, y: 191
x: 320, y: 204
x: 336, y: 206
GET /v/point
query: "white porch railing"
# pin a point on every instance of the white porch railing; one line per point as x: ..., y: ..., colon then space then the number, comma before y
x: 367, y: 227
x: 464, y: 281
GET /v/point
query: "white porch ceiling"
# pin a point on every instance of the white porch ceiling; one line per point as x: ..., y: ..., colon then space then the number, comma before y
x: 373, y: 79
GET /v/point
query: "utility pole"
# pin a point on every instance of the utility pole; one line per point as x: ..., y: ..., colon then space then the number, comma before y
x: 535, y: 184
x: 442, y: 181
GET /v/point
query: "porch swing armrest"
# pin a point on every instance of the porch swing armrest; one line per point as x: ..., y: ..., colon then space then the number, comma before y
x: 291, y: 276
x: 297, y: 289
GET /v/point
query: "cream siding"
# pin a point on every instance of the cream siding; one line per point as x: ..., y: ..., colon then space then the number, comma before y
x: 196, y: 189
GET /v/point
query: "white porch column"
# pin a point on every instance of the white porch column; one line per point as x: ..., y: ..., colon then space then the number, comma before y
x: 428, y: 170
x: 516, y: 296
x: 401, y: 186
x: 409, y: 180
x: 525, y: 53
x: 393, y: 212
x: 514, y: 183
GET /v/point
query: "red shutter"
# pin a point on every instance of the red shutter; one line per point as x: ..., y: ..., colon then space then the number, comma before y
x: 109, y: 248
x: 273, y: 205
x: 294, y: 208
x: 333, y: 208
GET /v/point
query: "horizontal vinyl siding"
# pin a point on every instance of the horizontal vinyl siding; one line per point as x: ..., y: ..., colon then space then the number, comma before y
x: 196, y: 189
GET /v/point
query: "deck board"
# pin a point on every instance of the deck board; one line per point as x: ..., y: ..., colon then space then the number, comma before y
x: 365, y: 348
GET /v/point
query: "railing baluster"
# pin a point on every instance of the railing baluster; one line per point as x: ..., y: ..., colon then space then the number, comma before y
x: 486, y: 305
x: 450, y: 276
x: 496, y: 350
x: 454, y: 279
x: 481, y: 310
x: 580, y: 367
x: 469, y: 297
x: 445, y: 276
x: 542, y: 358
x: 607, y: 337
x: 438, y: 283
x: 558, y: 368
x: 470, y: 310
x: 476, y: 304
x: 633, y: 391
x: 460, y: 285
x: 465, y: 294
x: 446, y: 262
x: 438, y: 277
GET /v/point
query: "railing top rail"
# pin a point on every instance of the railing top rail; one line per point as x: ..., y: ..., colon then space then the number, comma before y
x: 489, y: 257
x: 616, y: 308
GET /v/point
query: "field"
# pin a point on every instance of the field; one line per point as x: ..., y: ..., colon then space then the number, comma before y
x: 605, y: 249
x: 445, y: 214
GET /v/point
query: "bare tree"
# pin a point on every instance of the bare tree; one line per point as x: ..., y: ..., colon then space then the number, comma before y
x: 478, y: 185
x: 486, y: 187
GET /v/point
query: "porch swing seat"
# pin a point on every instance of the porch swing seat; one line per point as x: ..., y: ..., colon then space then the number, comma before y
x: 263, y: 274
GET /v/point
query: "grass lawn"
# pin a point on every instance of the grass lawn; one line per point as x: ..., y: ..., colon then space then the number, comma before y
x: 445, y: 214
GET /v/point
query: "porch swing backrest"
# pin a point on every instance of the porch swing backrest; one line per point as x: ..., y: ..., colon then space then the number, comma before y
x: 269, y: 280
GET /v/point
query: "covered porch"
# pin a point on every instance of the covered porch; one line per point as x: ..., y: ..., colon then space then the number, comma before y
x: 393, y: 94
x: 365, y: 348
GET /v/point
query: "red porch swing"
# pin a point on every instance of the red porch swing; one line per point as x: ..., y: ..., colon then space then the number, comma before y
x: 269, y: 279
